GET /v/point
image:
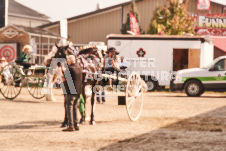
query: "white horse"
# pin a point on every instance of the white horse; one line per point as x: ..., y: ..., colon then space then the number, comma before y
x: 55, y: 72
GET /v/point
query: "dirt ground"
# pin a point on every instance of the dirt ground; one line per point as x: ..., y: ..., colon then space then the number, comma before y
x: 169, y: 121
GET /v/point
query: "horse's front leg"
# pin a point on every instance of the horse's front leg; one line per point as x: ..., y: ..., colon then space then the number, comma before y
x: 83, y: 113
x: 92, y: 121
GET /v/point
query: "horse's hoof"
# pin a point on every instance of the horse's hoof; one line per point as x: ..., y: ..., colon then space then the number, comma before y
x: 92, y: 123
x: 82, y: 121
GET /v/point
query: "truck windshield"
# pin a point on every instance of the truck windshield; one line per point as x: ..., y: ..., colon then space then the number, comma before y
x: 210, y: 64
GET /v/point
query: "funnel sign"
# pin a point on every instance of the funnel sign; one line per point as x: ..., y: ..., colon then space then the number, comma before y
x: 211, y: 24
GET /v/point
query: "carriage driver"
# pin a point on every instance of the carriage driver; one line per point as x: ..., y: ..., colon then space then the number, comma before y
x: 24, y: 56
x: 110, y: 62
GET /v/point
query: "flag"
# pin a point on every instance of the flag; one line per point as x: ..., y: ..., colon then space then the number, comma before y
x: 134, y: 27
x: 203, y: 4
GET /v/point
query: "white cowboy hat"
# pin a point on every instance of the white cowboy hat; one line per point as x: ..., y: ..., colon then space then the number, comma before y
x: 62, y: 43
x: 27, y: 47
x: 2, y: 58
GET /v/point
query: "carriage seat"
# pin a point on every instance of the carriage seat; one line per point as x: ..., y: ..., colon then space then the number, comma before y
x: 26, y: 65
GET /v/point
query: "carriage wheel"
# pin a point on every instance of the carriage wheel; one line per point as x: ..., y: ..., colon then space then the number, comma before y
x: 35, y: 85
x: 11, y: 81
x: 134, y: 96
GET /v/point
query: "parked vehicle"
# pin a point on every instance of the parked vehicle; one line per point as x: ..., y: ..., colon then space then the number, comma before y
x: 155, y: 57
x: 198, y: 80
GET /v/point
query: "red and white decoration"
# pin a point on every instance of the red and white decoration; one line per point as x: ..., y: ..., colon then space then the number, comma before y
x: 134, y: 27
x: 203, y: 4
x: 8, y: 51
x: 141, y: 52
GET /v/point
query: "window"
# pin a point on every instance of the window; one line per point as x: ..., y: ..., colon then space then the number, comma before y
x: 219, y: 66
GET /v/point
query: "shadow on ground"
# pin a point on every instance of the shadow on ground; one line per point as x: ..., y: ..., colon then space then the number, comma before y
x: 29, y: 125
x: 22, y: 101
x: 203, y: 132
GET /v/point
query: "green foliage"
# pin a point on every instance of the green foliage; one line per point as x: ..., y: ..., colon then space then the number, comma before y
x: 126, y: 26
x: 134, y: 11
x: 172, y: 19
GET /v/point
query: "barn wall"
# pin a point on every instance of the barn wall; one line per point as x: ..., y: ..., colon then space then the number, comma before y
x: 97, y: 26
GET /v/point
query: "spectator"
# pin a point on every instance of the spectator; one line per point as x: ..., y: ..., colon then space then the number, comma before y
x: 6, y: 73
x: 73, y: 90
x: 100, y: 96
x: 3, y: 62
x: 122, y: 64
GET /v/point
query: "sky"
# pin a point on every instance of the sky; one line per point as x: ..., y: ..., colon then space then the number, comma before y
x: 62, y: 9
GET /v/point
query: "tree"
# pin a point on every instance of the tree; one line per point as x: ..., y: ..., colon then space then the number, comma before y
x: 134, y: 11
x: 172, y: 19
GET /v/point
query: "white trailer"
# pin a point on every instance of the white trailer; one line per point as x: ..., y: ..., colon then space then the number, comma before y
x: 155, y: 57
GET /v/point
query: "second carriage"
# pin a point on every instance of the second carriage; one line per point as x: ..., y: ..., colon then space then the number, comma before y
x: 13, y: 77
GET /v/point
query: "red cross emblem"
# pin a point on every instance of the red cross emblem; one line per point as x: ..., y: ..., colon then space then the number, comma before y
x: 141, y: 52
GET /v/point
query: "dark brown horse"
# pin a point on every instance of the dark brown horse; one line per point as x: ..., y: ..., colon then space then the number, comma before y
x: 91, y: 61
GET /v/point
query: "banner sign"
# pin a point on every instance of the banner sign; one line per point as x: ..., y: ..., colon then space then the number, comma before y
x: 134, y: 27
x: 211, y: 24
x: 8, y: 50
x: 203, y: 4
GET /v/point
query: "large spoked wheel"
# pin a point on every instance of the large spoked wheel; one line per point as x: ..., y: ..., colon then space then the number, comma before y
x: 35, y: 85
x: 134, y: 96
x: 11, y: 81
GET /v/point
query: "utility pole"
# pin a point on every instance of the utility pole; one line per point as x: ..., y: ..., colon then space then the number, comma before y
x: 3, y: 13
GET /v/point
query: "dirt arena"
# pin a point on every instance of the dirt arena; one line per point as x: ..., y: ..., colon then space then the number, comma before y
x: 169, y: 121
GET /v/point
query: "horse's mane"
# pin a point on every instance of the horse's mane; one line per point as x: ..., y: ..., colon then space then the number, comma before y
x: 85, y: 51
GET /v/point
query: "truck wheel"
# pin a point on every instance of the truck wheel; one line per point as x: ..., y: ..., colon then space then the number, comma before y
x: 151, y: 84
x: 193, y: 88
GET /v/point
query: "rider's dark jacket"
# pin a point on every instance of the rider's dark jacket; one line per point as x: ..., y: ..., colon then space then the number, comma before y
x: 74, y: 86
